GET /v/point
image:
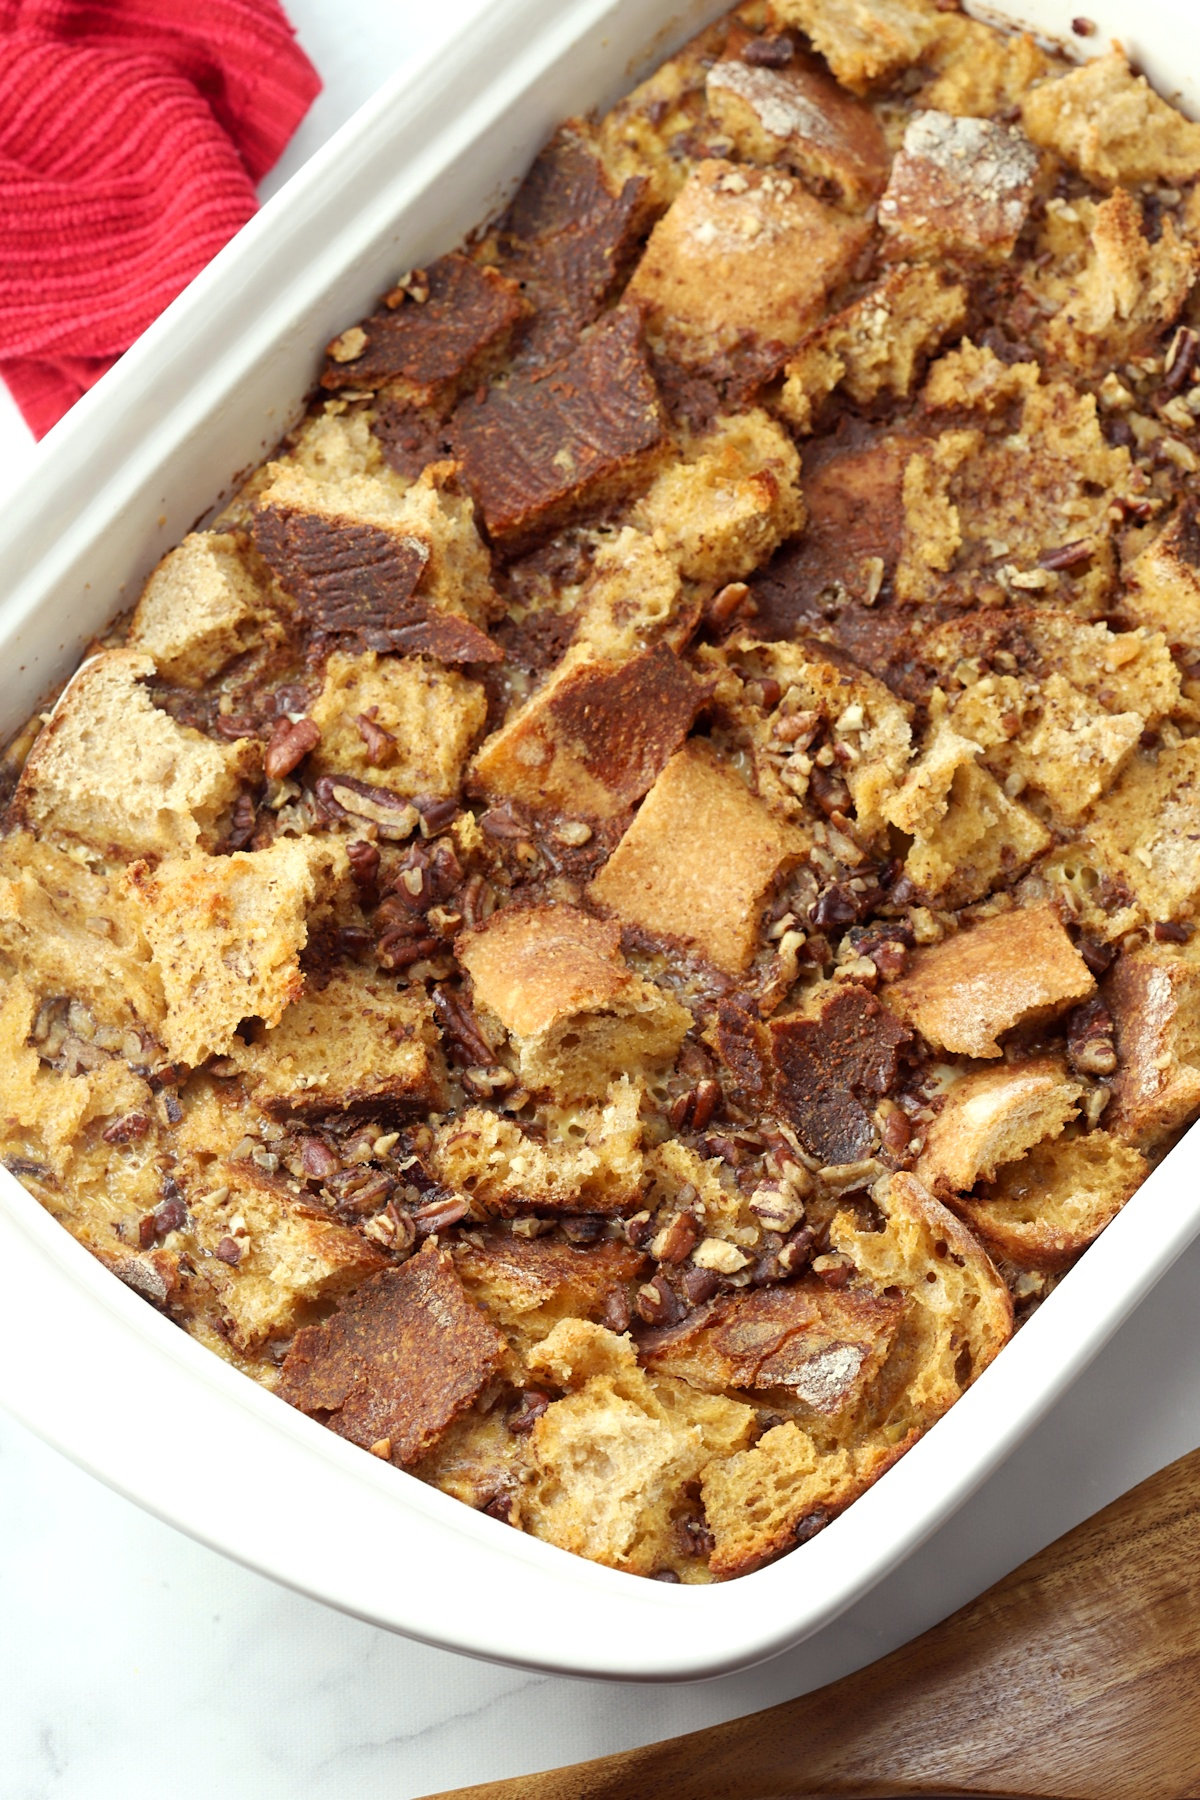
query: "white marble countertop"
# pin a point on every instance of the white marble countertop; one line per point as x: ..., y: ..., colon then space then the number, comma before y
x: 134, y: 1662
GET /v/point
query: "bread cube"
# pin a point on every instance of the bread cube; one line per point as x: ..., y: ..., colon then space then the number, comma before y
x: 1103, y: 292
x: 404, y: 1355
x: 798, y: 116
x: 200, y: 608
x: 832, y: 1062
x: 697, y: 862
x: 113, y: 770
x: 1153, y: 994
x: 590, y: 1160
x: 427, y: 351
x: 876, y: 345
x: 803, y: 1349
x: 262, y: 1260
x: 609, y: 1460
x: 70, y: 931
x: 369, y: 556
x: 527, y: 1285
x: 44, y: 1113
x: 959, y: 1314
x: 1108, y: 123
x: 595, y: 738
x: 1162, y: 588
x: 357, y: 1045
x: 431, y: 716
x: 862, y: 717
x: 960, y: 187
x: 865, y: 42
x: 555, y: 979
x: 966, y: 832
x: 720, y: 511
x: 982, y: 506
x: 764, y: 1501
x: 1146, y: 830
x: 660, y: 129
x: 539, y: 453
x: 993, y: 1116
x: 1018, y: 968
x: 632, y: 591
x: 742, y: 250
x: 980, y: 71
x: 1042, y: 1211
x: 226, y: 934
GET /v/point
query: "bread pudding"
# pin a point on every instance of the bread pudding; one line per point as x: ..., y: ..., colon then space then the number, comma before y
x: 619, y: 918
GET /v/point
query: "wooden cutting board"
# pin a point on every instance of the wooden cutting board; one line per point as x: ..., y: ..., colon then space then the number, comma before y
x: 1077, y: 1677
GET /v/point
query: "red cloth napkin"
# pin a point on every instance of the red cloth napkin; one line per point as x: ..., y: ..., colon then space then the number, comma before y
x: 131, y: 135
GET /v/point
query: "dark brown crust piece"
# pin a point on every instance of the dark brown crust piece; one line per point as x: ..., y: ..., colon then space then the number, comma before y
x: 442, y: 635
x: 345, y: 576
x: 625, y: 721
x: 470, y: 314
x: 546, y: 1267
x: 542, y: 451
x: 814, y: 1341
x: 829, y: 1067
x: 743, y: 1046
x: 404, y: 1355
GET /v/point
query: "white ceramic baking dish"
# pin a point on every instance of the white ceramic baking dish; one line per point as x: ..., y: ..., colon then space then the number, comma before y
x: 90, y: 1366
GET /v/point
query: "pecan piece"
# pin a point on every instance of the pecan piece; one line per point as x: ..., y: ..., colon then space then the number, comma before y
x: 290, y: 743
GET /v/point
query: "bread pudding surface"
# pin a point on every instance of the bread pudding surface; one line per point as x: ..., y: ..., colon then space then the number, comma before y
x: 618, y: 920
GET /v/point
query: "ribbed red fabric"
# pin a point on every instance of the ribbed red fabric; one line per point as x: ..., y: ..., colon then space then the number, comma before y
x: 131, y: 135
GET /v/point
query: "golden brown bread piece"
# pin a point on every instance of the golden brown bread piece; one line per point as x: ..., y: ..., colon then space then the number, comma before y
x: 401, y: 723
x: 993, y: 1116
x: 1108, y: 123
x: 1016, y: 968
x: 199, y: 609
x: 865, y: 42
x: 226, y: 934
x: 1153, y: 994
x: 1043, y: 1210
x: 959, y: 188
x: 697, y: 861
x: 554, y: 978
x: 796, y: 115
x: 746, y: 245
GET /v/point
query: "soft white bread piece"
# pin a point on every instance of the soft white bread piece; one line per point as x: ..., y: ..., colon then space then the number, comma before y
x: 967, y: 834
x: 200, y: 608
x: 70, y: 931
x: 1108, y: 123
x: 226, y: 934
x: 1019, y: 968
x: 555, y: 979
x: 356, y: 1045
x: 959, y: 1314
x: 742, y: 249
x: 590, y: 1161
x: 610, y: 1462
x: 696, y: 863
x: 431, y: 716
x: 993, y: 1116
x: 1043, y: 1210
x: 797, y: 116
x: 113, y: 770
x: 1153, y: 994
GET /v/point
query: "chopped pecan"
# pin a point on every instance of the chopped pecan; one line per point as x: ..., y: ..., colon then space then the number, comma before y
x: 290, y: 743
x: 1090, y: 1046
